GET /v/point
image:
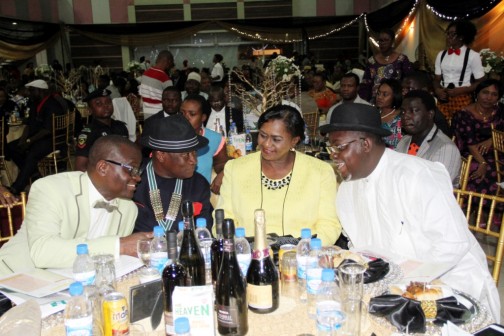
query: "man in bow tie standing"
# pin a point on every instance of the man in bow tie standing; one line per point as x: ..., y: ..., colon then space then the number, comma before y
x: 67, y: 209
x: 454, y: 68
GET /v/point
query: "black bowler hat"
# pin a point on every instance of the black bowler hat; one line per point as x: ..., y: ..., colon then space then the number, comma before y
x: 97, y: 94
x: 355, y: 117
x: 173, y: 134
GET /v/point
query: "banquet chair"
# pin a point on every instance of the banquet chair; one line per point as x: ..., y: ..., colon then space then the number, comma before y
x: 49, y: 164
x: 483, y: 211
x: 3, y: 164
x: 498, y: 146
x: 11, y: 228
x: 71, y: 139
x: 465, y: 168
x: 311, y: 120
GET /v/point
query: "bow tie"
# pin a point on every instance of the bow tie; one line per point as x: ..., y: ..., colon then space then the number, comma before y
x: 105, y: 205
x: 451, y: 51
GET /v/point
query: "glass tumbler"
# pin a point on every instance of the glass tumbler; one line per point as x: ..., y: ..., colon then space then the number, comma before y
x: 105, y: 273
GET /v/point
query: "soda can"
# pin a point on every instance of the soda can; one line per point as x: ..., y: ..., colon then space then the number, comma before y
x: 115, y: 315
x: 284, y: 248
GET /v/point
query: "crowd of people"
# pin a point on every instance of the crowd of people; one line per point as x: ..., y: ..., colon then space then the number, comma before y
x: 389, y: 139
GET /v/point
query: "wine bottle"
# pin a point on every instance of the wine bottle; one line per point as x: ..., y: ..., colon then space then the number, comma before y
x: 174, y: 274
x: 217, y: 246
x: 262, y: 277
x: 231, y: 292
x: 191, y: 256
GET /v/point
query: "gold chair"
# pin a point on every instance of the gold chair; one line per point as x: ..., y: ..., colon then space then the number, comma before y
x: 11, y: 230
x: 49, y: 164
x: 71, y: 139
x: 498, y: 146
x: 311, y: 120
x: 3, y: 164
x: 481, y: 211
x: 464, y: 172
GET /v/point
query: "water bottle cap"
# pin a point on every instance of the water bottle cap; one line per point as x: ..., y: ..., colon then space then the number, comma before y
x: 327, y: 274
x: 305, y: 233
x: 158, y: 231
x: 316, y: 244
x: 201, y: 222
x: 76, y: 288
x: 240, y: 232
x: 182, y: 325
x: 181, y: 226
x: 82, y: 249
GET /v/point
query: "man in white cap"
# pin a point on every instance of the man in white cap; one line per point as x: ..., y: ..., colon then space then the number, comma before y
x: 192, y: 86
x: 36, y: 140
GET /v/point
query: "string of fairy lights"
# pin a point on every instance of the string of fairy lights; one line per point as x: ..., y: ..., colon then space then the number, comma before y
x: 363, y: 17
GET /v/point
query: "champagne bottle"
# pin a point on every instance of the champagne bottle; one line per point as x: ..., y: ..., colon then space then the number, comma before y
x: 262, y: 277
x: 217, y: 246
x: 231, y: 292
x: 190, y: 253
x: 173, y: 275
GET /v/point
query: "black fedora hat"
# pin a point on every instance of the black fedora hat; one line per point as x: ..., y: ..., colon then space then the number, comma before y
x: 355, y: 117
x: 173, y: 134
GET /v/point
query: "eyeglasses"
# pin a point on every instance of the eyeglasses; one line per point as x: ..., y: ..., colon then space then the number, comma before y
x: 340, y: 148
x: 131, y: 170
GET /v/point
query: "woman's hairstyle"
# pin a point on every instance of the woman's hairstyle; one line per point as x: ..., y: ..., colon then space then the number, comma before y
x: 389, y: 32
x: 203, y: 103
x: 289, y: 115
x: 466, y: 30
x: 396, y: 91
x: 425, y: 97
x: 218, y: 57
x: 486, y: 83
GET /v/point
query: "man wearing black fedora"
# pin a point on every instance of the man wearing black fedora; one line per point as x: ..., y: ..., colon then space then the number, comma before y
x: 402, y: 204
x: 170, y: 177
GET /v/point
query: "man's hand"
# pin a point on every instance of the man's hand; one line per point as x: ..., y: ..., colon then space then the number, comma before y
x: 128, y: 245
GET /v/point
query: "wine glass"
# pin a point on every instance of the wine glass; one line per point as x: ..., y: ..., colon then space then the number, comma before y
x: 143, y: 251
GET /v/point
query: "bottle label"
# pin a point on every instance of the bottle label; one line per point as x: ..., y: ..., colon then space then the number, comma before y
x: 228, y: 245
x: 86, y: 278
x: 80, y: 326
x: 260, y: 254
x: 313, y: 279
x: 301, y: 267
x: 244, y: 262
x: 228, y: 316
x: 159, y: 260
x: 260, y: 297
x: 169, y: 327
x: 248, y: 146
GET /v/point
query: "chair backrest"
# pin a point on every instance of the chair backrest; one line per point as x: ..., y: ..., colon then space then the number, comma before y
x: 484, y: 213
x: 465, y: 167
x: 498, y: 146
x: 60, y: 131
x: 8, y: 231
x: 311, y: 120
x: 2, y: 133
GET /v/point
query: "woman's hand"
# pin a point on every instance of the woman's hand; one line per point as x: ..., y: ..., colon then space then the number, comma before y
x: 480, y: 172
x: 7, y: 198
x: 216, y: 183
x: 484, y: 147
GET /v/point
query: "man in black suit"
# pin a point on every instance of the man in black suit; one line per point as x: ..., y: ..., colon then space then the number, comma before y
x: 221, y: 116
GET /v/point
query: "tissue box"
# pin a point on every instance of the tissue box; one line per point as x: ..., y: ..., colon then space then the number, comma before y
x: 197, y: 304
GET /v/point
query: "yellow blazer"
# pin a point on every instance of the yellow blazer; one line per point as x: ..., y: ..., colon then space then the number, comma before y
x: 308, y: 202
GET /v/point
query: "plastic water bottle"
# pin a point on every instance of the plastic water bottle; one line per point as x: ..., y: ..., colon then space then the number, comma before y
x: 180, y: 235
x: 242, y: 248
x: 205, y: 242
x: 313, y: 275
x: 159, y: 250
x: 248, y: 141
x: 182, y: 327
x: 84, y: 269
x: 302, y: 253
x: 78, y: 313
x: 328, y: 307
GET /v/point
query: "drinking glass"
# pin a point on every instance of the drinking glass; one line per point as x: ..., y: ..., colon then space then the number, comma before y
x: 105, y: 272
x: 355, y: 317
x: 143, y: 251
x: 351, y: 278
x: 330, y: 318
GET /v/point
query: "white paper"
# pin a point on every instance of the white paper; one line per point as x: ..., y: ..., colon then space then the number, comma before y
x: 49, y: 305
x: 37, y: 283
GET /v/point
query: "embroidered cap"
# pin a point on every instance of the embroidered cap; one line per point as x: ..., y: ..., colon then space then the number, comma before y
x: 97, y: 94
x: 38, y: 83
x: 173, y: 134
x: 194, y: 76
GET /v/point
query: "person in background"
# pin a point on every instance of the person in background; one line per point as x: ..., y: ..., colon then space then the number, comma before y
x: 389, y: 101
x: 349, y: 84
x: 455, y: 67
x: 170, y: 176
x: 217, y: 70
x: 196, y: 110
x: 323, y: 96
x: 102, y: 124
x: 192, y: 85
x: 386, y: 64
x: 403, y: 205
x: 283, y: 182
x: 171, y: 100
x: 423, y: 138
x: 7, y: 109
x: 221, y: 116
x: 473, y: 135
x: 133, y: 97
x: 206, y: 82
x: 105, y: 84
x: 154, y: 80
x: 67, y: 209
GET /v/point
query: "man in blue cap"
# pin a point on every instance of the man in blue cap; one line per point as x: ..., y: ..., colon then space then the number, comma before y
x: 402, y: 204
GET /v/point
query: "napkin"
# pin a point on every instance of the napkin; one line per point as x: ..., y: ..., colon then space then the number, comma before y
x: 407, y: 315
x: 377, y: 269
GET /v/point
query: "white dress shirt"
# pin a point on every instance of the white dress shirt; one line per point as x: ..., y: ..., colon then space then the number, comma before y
x: 217, y: 118
x: 452, y: 67
x: 357, y: 100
